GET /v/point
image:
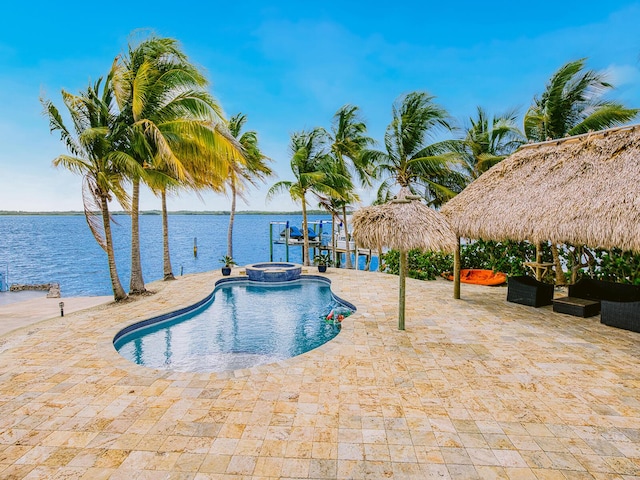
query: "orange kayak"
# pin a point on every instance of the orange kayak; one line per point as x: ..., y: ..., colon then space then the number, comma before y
x: 481, y: 277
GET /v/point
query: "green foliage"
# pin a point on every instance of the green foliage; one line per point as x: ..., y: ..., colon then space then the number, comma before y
x: 322, y: 259
x: 410, y: 159
x: 227, y: 261
x: 616, y: 266
x: 507, y: 257
x: 421, y: 265
x: 572, y: 104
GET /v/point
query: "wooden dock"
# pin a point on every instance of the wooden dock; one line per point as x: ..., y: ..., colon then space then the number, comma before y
x: 317, y: 247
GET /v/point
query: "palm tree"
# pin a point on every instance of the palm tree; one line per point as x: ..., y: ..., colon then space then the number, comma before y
x: 94, y: 155
x: 312, y: 168
x: 341, y: 194
x: 161, y: 182
x: 489, y: 141
x: 349, y: 139
x: 255, y: 168
x: 172, y: 124
x: 333, y: 208
x: 572, y: 104
x: 409, y: 160
x: 190, y: 151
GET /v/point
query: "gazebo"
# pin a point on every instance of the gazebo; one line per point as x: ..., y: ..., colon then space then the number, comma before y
x: 404, y: 223
x: 581, y: 190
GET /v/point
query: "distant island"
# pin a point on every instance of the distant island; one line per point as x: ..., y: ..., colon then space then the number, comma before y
x: 178, y: 212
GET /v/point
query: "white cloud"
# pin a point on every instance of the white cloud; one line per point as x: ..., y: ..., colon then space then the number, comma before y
x: 623, y: 75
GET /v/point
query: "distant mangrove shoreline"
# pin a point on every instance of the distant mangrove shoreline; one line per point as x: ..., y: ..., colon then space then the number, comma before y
x: 158, y: 212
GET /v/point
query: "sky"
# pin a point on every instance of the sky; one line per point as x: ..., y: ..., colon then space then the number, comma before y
x: 289, y: 66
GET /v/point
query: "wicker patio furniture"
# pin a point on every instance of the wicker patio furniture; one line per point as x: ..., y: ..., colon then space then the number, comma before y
x: 576, y: 306
x: 528, y: 291
x: 587, y: 295
x: 624, y: 315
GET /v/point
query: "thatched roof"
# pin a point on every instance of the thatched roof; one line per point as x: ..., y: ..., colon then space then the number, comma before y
x: 583, y: 190
x: 402, y: 224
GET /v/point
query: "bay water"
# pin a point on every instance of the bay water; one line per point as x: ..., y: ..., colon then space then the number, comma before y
x: 38, y: 249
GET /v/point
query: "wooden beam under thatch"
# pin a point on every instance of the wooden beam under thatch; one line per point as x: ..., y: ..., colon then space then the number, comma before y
x: 582, y: 190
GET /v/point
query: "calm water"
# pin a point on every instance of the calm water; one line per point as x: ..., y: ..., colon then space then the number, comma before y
x: 43, y: 249
x: 244, y: 325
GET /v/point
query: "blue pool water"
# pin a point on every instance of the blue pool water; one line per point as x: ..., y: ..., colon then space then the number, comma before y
x: 243, y: 324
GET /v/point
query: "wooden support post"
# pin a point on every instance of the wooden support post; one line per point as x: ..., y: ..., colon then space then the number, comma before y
x: 456, y: 270
x: 403, y: 275
x: 538, y: 261
x: 270, y: 242
x: 286, y: 241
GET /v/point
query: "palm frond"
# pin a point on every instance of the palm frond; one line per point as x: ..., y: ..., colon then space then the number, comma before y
x: 73, y: 164
x: 91, y: 202
x: 280, y: 187
x: 606, y: 116
x: 571, y: 104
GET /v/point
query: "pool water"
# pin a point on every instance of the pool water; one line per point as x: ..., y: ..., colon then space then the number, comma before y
x: 244, y: 324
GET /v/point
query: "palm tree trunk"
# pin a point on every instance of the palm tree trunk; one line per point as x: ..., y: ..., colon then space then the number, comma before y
x: 168, y: 272
x: 305, y: 233
x: 232, y: 216
x: 136, y: 285
x: 456, y: 270
x: 346, y: 236
x: 118, y: 292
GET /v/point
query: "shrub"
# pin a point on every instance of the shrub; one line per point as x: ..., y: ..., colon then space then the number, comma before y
x: 616, y: 266
x: 421, y: 265
x: 613, y: 265
x: 504, y: 257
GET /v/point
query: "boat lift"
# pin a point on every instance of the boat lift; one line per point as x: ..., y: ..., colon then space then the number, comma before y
x: 337, y: 244
x: 316, y: 225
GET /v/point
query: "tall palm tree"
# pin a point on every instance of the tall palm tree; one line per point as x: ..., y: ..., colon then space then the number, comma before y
x: 572, y: 104
x: 409, y: 160
x: 190, y: 151
x: 312, y: 168
x: 172, y: 123
x: 254, y: 168
x: 161, y: 182
x: 489, y: 140
x: 349, y: 139
x: 94, y: 155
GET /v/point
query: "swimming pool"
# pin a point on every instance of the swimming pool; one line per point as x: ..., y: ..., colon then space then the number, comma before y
x: 242, y: 324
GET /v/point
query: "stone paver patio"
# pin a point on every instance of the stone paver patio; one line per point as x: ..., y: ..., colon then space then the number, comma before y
x: 474, y: 388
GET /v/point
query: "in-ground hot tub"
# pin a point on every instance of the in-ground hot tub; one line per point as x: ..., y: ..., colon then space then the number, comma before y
x: 273, y: 271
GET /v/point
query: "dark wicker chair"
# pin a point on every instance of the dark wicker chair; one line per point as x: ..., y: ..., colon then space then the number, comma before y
x: 602, y: 290
x: 624, y: 315
x: 619, y: 303
x: 528, y: 291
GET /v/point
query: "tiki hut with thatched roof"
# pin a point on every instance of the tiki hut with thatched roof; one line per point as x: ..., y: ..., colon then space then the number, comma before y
x: 581, y: 190
x: 403, y: 224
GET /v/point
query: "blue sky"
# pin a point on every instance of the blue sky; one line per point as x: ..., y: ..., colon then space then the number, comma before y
x: 289, y: 66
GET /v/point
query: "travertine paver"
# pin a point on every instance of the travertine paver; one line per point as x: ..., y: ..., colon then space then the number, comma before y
x: 475, y: 388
